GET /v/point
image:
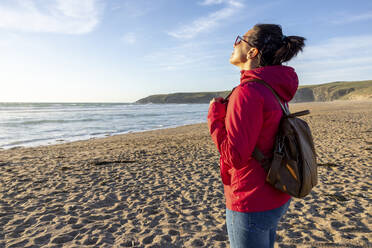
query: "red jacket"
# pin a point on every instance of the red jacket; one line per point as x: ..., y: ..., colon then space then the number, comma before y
x: 252, y: 118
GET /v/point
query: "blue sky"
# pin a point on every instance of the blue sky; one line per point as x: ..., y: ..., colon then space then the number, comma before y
x: 123, y: 50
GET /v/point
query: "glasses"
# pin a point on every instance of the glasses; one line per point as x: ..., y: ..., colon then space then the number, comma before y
x: 239, y: 39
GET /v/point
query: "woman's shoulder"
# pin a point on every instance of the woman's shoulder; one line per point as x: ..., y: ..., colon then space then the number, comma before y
x: 247, y: 91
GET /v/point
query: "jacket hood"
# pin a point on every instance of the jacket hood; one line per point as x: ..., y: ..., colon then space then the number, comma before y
x: 283, y: 79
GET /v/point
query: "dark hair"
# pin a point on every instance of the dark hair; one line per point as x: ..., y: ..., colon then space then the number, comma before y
x: 274, y: 47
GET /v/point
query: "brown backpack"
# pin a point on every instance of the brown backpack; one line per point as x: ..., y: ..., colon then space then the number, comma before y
x: 293, y: 167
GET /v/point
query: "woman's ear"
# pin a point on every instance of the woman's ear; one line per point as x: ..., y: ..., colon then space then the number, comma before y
x: 252, y: 53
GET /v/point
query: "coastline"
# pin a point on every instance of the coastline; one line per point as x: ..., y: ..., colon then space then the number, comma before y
x: 35, y: 124
x: 57, y: 141
x: 161, y: 188
x: 105, y: 136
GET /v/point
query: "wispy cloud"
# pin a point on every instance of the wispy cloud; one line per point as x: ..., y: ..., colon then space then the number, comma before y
x: 345, y: 18
x: 337, y: 59
x: 208, y: 22
x: 211, y: 2
x: 55, y: 16
x: 129, y: 38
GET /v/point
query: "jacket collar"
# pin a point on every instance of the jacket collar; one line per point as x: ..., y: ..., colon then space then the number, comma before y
x: 283, y: 79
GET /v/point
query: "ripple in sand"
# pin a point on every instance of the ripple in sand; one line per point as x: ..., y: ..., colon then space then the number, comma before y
x: 42, y: 240
x: 197, y: 243
x: 64, y: 238
x: 337, y: 197
x: 106, y: 162
x: 328, y: 164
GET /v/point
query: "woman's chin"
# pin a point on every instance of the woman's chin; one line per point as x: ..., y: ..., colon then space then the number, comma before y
x: 233, y: 61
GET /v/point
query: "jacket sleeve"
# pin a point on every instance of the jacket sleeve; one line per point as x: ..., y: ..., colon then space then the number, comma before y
x: 216, y: 122
x: 238, y: 135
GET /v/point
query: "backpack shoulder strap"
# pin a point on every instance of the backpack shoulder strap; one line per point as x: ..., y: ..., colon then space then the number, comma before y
x: 261, y: 158
x: 284, y: 107
x: 226, y: 99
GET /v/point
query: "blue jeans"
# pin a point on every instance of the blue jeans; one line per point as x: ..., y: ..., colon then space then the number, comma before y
x: 256, y: 229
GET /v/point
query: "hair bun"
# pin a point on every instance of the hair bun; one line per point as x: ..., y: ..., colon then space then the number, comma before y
x: 285, y: 39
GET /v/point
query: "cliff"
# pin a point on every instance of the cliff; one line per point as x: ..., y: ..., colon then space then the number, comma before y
x: 357, y: 90
x: 334, y: 91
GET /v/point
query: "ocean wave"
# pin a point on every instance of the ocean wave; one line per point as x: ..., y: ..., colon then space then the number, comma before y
x: 56, y: 104
x: 36, y: 122
x: 44, y: 124
x: 23, y: 142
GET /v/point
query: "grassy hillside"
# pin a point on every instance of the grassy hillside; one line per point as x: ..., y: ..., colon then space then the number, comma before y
x: 357, y: 90
x: 198, y: 97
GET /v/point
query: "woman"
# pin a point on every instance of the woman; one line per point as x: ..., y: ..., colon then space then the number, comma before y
x: 251, y: 118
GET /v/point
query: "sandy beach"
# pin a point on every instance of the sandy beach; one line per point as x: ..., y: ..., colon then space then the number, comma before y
x: 162, y: 189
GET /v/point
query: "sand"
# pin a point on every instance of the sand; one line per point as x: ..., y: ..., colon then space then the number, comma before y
x: 162, y: 189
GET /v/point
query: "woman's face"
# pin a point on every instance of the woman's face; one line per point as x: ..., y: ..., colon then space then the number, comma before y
x: 239, y: 55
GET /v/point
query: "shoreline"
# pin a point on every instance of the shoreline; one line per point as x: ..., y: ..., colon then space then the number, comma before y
x: 295, y: 106
x: 161, y: 188
x: 62, y: 142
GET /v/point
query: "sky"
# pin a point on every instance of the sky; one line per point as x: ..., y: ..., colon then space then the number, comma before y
x: 124, y: 50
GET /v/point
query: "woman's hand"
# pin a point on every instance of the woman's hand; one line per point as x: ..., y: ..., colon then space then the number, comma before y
x: 217, y: 110
x: 216, y: 113
x: 217, y: 99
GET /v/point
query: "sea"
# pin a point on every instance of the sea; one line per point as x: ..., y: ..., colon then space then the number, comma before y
x: 35, y: 124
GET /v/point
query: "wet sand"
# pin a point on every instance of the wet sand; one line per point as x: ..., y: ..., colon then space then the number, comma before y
x: 162, y: 189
